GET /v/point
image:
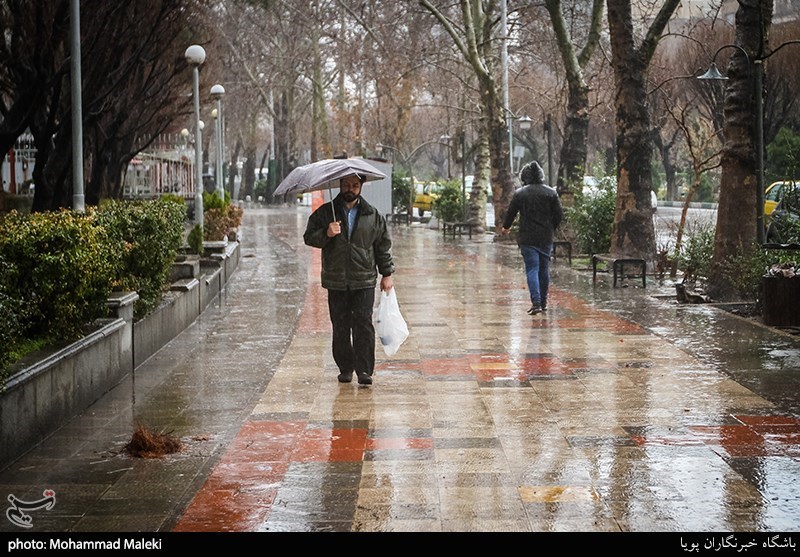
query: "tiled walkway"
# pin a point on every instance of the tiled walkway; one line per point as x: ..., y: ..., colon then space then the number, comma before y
x: 616, y: 411
x: 490, y: 420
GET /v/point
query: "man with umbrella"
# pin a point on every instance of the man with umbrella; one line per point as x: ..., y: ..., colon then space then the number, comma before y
x: 356, y: 246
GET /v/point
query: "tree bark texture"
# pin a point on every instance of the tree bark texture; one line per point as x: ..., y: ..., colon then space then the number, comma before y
x: 737, y: 211
x: 633, y: 235
x: 576, y: 130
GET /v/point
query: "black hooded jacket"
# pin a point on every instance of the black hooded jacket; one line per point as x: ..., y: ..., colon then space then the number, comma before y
x: 539, y: 208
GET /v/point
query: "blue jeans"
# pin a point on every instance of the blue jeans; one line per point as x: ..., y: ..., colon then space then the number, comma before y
x: 537, y: 272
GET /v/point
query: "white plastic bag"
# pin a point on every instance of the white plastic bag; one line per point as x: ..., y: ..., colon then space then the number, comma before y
x: 390, y: 326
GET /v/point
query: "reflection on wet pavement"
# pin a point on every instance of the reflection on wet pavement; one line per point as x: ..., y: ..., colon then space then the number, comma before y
x: 490, y: 420
x: 616, y: 411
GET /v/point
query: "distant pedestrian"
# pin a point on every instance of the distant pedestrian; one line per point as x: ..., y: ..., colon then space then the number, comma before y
x: 356, y: 246
x: 540, y: 213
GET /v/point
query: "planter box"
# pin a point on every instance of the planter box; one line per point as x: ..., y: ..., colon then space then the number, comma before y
x: 781, y: 298
x: 44, y: 396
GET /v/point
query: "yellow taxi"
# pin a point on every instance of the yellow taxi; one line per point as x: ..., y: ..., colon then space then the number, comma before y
x: 774, y: 193
x: 424, y: 198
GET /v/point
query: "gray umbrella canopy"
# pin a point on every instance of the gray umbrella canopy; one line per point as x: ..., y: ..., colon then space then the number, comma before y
x: 325, y: 174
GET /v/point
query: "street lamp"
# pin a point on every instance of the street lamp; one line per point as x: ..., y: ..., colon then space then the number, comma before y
x: 195, y: 56
x: 525, y: 123
x: 78, y: 199
x: 217, y: 91
x: 713, y: 73
x: 445, y: 140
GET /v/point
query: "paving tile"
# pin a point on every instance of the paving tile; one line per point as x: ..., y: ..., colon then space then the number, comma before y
x: 602, y: 416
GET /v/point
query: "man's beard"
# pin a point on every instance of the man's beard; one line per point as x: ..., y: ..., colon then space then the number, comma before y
x: 350, y: 196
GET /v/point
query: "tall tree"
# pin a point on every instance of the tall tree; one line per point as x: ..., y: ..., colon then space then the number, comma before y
x: 633, y: 234
x: 739, y: 161
x: 576, y: 131
x: 132, y: 86
x: 473, y: 36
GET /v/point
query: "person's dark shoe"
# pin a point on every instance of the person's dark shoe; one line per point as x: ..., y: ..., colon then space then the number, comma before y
x: 364, y: 378
x: 544, y: 309
x: 345, y: 377
x: 536, y: 308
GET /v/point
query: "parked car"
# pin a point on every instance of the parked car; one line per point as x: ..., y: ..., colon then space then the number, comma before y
x: 784, y: 221
x: 775, y: 192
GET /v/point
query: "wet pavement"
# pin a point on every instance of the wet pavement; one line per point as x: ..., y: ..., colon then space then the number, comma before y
x: 619, y: 410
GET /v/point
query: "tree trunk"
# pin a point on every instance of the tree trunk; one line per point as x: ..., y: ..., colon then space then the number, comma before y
x: 473, y: 41
x: 633, y: 235
x: 737, y: 211
x: 574, y: 148
x: 499, y: 156
x: 576, y: 132
x: 480, y: 183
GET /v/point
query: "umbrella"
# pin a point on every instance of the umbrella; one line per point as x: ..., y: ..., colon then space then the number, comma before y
x: 325, y: 174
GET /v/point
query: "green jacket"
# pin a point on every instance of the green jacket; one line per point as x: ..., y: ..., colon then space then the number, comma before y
x: 354, y: 262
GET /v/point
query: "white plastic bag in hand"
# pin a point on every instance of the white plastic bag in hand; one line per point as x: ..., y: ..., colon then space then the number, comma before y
x: 390, y: 326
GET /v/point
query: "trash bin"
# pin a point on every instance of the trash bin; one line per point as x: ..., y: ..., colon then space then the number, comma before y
x: 781, y: 301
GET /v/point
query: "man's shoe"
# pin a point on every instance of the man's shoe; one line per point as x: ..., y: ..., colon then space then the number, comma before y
x: 544, y: 309
x: 345, y: 377
x: 364, y: 378
x: 534, y: 310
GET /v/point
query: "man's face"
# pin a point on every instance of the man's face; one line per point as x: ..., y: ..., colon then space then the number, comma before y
x: 350, y: 188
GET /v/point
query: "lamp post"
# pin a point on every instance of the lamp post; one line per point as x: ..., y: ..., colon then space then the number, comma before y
x: 196, y: 55
x: 78, y: 200
x: 217, y: 91
x: 525, y: 124
x: 445, y: 140
x: 548, y: 130
x: 713, y: 73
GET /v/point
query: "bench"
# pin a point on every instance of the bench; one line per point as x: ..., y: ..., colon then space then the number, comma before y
x: 617, y: 266
x: 395, y: 218
x: 565, y: 246
x: 458, y: 228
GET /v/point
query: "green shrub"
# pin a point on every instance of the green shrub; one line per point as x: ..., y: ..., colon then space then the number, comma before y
x: 746, y: 270
x: 60, y: 269
x: 195, y: 239
x: 214, y: 201
x: 449, y: 205
x: 147, y: 235
x: 401, y: 192
x: 592, y: 217
x: 9, y: 320
x: 697, y: 251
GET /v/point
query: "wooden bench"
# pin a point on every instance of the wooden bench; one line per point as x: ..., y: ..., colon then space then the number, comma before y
x: 565, y: 246
x: 458, y: 228
x: 617, y: 266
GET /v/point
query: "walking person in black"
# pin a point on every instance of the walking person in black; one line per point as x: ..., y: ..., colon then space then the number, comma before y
x: 540, y: 213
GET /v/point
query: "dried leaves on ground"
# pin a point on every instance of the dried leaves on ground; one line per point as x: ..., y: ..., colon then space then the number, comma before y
x: 148, y: 444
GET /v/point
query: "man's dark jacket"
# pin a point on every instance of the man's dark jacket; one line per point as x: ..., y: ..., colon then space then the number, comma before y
x: 351, y: 261
x: 540, y: 214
